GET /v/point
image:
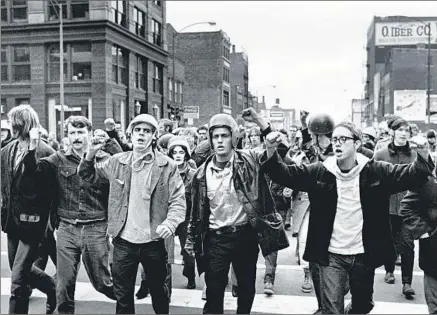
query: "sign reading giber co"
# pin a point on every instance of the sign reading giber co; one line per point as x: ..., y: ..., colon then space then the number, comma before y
x: 405, y: 33
x: 191, y: 112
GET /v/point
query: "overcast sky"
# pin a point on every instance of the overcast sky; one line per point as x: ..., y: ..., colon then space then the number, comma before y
x: 314, y: 52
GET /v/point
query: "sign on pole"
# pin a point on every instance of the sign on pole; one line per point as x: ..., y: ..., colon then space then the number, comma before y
x: 191, y: 112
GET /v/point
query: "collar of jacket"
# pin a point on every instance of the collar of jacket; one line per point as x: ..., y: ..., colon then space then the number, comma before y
x: 237, y: 161
x: 393, y: 150
x: 126, y: 158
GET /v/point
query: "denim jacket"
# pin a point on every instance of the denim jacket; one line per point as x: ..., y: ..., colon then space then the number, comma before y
x: 78, y: 200
x: 165, y: 192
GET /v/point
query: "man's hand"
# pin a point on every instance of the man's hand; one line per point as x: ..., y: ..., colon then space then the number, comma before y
x: 273, y: 139
x: 34, y: 135
x: 250, y: 115
x: 95, y: 145
x: 164, y: 231
x: 109, y: 124
x: 420, y: 145
x: 303, y: 118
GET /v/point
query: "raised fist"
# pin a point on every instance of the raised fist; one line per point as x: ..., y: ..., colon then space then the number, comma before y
x: 96, y: 144
x: 303, y: 117
x: 34, y: 135
x: 249, y: 114
x: 273, y: 139
x: 109, y: 124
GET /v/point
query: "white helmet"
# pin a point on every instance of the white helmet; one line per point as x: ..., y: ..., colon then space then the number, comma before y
x: 5, y: 124
x: 142, y: 118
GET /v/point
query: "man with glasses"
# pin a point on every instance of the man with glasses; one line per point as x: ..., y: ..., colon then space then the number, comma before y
x: 349, y: 229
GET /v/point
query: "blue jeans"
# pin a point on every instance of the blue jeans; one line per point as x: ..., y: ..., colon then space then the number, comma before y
x: 91, y: 242
x: 345, y: 271
x: 271, y: 263
x: 25, y: 275
x: 153, y: 258
x: 430, y: 289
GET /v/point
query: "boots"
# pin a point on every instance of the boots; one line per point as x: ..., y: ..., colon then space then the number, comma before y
x: 19, y: 305
x: 143, y: 291
x: 51, y: 302
x: 307, y: 287
x: 191, y: 284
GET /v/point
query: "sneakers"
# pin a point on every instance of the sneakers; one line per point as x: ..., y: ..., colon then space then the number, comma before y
x: 143, y: 291
x: 389, y: 278
x: 307, y: 286
x: 269, y: 288
x: 408, y: 291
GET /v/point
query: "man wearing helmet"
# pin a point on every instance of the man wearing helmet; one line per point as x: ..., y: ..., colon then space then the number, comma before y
x: 146, y: 205
x: 231, y: 198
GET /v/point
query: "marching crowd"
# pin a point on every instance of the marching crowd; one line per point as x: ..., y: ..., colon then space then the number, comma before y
x: 356, y: 200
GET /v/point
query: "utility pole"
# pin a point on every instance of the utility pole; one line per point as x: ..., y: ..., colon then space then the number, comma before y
x: 61, y: 69
x: 428, y: 84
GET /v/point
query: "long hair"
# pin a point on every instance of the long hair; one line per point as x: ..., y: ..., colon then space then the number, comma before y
x: 23, y: 118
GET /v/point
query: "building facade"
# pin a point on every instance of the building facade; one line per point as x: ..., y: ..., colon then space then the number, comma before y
x: 384, y: 35
x: 239, y: 80
x: 404, y: 80
x: 114, y: 60
x: 207, y: 88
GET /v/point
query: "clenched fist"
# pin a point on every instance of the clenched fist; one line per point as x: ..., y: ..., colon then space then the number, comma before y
x: 250, y: 115
x: 96, y: 144
x: 34, y: 135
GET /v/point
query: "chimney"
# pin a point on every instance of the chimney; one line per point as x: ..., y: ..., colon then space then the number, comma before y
x: 264, y: 99
x: 277, y: 101
x: 233, y: 49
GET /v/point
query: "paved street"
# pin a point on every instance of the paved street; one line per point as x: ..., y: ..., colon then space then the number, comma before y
x: 288, y: 298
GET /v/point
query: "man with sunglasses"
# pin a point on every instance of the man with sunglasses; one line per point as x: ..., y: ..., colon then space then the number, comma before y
x: 349, y: 226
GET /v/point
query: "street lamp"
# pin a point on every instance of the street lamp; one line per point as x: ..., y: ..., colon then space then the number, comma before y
x: 61, y: 62
x: 212, y: 23
x: 428, y: 80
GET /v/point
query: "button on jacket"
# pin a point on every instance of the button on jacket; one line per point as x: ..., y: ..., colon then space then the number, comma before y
x: 165, y: 191
x: 77, y: 199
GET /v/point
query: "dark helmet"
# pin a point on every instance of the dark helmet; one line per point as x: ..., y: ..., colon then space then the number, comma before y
x: 224, y: 120
x: 320, y: 124
x: 164, y: 139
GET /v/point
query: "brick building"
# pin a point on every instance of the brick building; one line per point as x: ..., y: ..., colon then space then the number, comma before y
x: 239, y: 77
x: 175, y: 100
x: 115, y: 58
x: 206, y: 56
x: 385, y: 34
x: 406, y: 70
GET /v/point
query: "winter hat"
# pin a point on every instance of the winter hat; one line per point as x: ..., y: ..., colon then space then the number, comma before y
x: 398, y: 123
